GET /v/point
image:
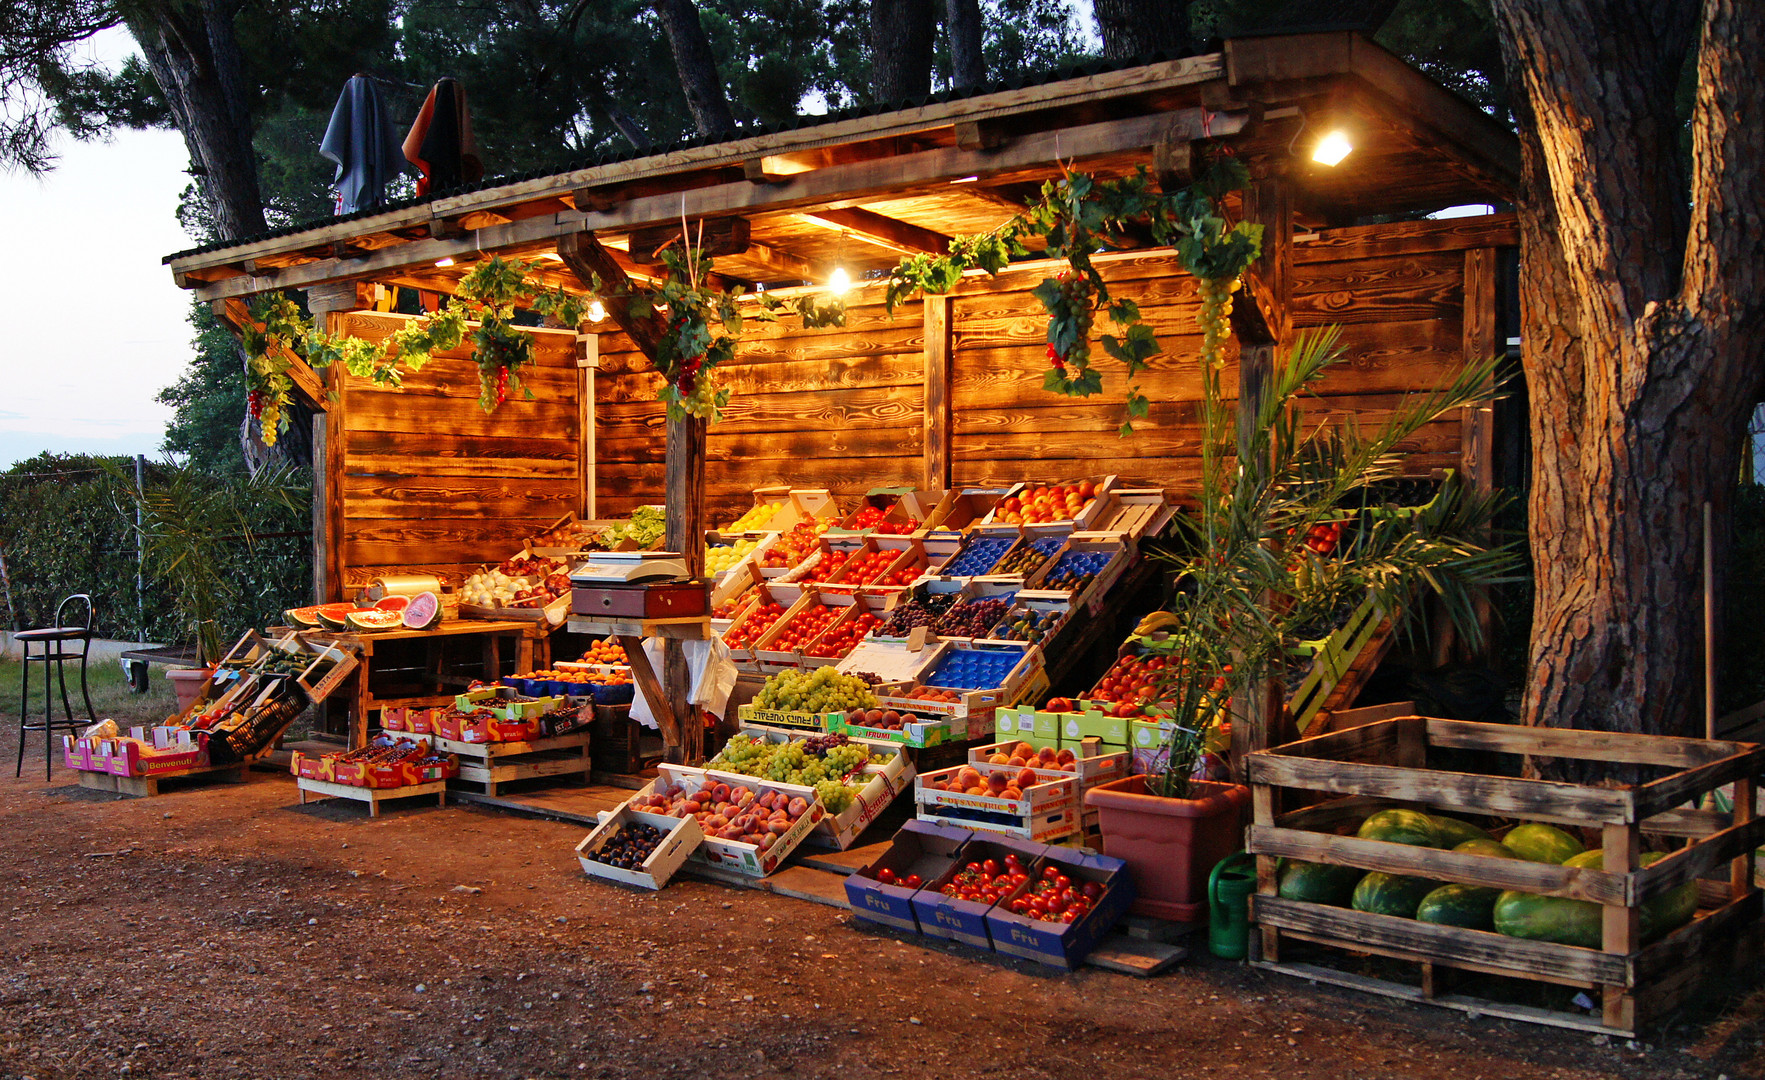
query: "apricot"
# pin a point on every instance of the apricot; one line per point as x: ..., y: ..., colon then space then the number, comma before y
x: 1017, y: 761
x: 978, y: 789
x: 1024, y: 749
x: 996, y: 781
x: 999, y: 759
x: 1011, y: 793
x: 1027, y: 778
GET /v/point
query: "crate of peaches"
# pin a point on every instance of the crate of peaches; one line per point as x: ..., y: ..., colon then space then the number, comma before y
x: 907, y: 728
x: 749, y: 828
x: 1042, y: 504
x: 1034, y: 804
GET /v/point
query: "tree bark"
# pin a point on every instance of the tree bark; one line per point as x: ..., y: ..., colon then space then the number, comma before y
x: 1134, y: 28
x: 697, y: 68
x: 902, y: 35
x: 962, y: 21
x: 1642, y: 319
x: 193, y: 53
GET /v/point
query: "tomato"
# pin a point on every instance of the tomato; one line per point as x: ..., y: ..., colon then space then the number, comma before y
x: 913, y: 881
x: 1091, y: 890
x: 885, y: 876
x: 991, y: 867
x: 1070, y: 916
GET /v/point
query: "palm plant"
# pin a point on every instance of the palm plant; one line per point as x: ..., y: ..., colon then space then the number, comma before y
x: 190, y: 524
x: 1252, y: 589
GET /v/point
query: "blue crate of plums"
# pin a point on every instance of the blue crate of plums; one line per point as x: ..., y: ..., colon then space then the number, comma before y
x: 974, y: 669
x: 978, y: 556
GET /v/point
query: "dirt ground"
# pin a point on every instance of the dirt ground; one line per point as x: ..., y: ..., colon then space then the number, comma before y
x: 224, y: 931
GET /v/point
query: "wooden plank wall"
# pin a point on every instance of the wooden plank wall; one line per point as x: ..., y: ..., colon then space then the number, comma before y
x: 842, y: 408
x: 432, y: 483
x: 838, y: 408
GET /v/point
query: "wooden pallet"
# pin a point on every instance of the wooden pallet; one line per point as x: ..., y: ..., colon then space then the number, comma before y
x: 1386, y: 763
x: 372, y: 796
x: 148, y: 786
x: 488, y: 765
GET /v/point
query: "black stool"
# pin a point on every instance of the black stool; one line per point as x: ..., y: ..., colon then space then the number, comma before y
x: 55, y: 640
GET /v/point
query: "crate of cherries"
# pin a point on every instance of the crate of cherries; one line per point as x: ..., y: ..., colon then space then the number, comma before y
x: 636, y: 847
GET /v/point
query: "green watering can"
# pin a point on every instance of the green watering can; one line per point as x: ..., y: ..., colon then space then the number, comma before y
x: 1228, y: 902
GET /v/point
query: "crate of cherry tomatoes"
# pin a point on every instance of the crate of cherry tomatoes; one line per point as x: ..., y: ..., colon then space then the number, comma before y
x: 1058, y: 913
x: 761, y: 615
x: 819, y: 616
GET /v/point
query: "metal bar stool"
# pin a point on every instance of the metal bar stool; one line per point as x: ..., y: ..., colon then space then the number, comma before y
x: 55, y: 640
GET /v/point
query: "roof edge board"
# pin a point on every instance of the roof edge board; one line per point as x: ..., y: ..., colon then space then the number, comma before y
x: 1121, y: 83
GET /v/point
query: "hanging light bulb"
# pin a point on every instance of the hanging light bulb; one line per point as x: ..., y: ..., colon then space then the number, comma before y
x: 596, y: 310
x: 839, y: 282
x: 1332, y: 148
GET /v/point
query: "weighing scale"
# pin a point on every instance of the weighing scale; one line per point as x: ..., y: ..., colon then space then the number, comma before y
x: 637, y: 585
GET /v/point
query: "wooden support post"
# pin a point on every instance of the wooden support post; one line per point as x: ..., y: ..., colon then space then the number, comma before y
x: 1265, y: 807
x: 1740, y: 871
x: 329, y: 450
x: 685, y: 491
x: 1622, y: 923
x: 1477, y: 442
x: 939, y: 355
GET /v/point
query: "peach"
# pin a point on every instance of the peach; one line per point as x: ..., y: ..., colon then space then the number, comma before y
x: 999, y: 759
x: 1027, y: 779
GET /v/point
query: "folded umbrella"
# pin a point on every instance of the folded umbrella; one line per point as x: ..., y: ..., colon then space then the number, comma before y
x: 440, y: 143
x: 364, y: 144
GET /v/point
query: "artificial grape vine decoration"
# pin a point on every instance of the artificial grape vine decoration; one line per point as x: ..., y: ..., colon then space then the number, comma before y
x: 1078, y: 216
x: 489, y: 295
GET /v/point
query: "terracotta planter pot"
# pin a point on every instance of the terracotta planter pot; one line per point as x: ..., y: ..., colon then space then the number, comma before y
x: 1170, y: 845
x: 186, y: 682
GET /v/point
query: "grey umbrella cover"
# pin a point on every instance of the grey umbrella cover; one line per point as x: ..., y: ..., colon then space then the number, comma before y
x: 363, y: 143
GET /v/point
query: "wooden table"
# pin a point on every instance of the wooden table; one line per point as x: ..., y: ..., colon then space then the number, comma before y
x: 630, y: 634
x: 521, y: 634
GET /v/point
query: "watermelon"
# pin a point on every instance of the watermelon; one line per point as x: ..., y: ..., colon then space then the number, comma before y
x: 1541, y: 843
x: 1469, y: 906
x: 1580, y: 922
x: 1318, y: 883
x: 1410, y: 827
x: 1548, y: 918
x: 1661, y: 915
x: 334, y: 616
x: 303, y: 618
x: 1391, y: 894
x: 1489, y: 848
x: 1454, y: 832
x: 392, y: 603
x: 423, y: 612
x: 373, y: 620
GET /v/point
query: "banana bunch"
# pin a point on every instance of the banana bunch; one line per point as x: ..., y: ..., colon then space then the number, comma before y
x: 1153, y: 623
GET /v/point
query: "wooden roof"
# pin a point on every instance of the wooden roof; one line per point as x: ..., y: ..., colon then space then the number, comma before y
x: 864, y: 190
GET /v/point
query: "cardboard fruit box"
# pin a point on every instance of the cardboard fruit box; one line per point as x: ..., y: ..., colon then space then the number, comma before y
x: 1045, y: 811
x: 965, y: 920
x: 883, y: 784
x: 682, y: 837
x: 962, y: 509
x: 890, y: 660
x: 1012, y: 674
x: 1133, y: 513
x: 792, y: 601
x: 920, y: 847
x: 796, y: 723
x: 1064, y: 945
x: 1087, y: 513
x: 1090, y: 771
x: 1113, y: 555
x: 734, y: 855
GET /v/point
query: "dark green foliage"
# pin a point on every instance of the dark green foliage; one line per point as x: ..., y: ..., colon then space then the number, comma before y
x: 208, y: 400
x: 62, y: 532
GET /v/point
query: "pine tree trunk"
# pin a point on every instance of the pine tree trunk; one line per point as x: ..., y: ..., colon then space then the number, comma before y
x: 902, y: 35
x: 1642, y: 321
x: 193, y: 54
x: 962, y: 21
x: 1134, y: 28
x: 697, y: 68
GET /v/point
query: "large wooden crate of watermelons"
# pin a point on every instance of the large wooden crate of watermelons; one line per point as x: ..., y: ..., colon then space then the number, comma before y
x: 1575, y: 905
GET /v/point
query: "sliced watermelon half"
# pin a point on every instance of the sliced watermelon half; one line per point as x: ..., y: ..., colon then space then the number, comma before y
x: 334, y: 616
x: 392, y: 603
x: 373, y: 620
x: 306, y: 618
x: 423, y: 612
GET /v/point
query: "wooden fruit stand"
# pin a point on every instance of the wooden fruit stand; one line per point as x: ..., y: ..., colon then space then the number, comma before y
x: 1387, y: 763
x: 945, y: 391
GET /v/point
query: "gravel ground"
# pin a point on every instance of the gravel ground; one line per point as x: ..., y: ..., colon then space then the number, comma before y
x: 224, y: 931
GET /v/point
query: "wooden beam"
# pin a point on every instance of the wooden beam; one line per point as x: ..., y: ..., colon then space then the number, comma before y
x: 939, y: 352
x: 781, y: 263
x: 329, y: 450
x: 979, y: 135
x: 587, y: 258
x: 307, y: 383
x: 716, y: 236
x: 880, y: 231
x: 1269, y: 284
x: 1026, y: 158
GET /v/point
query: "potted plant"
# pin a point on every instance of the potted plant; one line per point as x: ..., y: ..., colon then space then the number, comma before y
x: 1276, y: 550
x: 191, y: 526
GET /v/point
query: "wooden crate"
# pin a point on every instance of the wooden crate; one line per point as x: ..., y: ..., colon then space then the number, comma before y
x: 486, y: 765
x: 1387, y: 763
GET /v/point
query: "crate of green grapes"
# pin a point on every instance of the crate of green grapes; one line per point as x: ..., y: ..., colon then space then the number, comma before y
x: 856, y: 779
x: 798, y: 700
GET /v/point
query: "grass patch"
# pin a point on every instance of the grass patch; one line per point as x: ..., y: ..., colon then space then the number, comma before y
x: 111, y: 696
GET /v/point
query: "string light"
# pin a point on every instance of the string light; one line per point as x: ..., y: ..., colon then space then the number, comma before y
x: 445, y: 260
x: 596, y: 310
x: 839, y: 282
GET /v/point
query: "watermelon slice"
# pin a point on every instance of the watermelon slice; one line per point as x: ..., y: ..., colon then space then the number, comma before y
x: 392, y: 603
x: 334, y: 616
x: 373, y: 620
x: 423, y: 612
x: 304, y: 618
